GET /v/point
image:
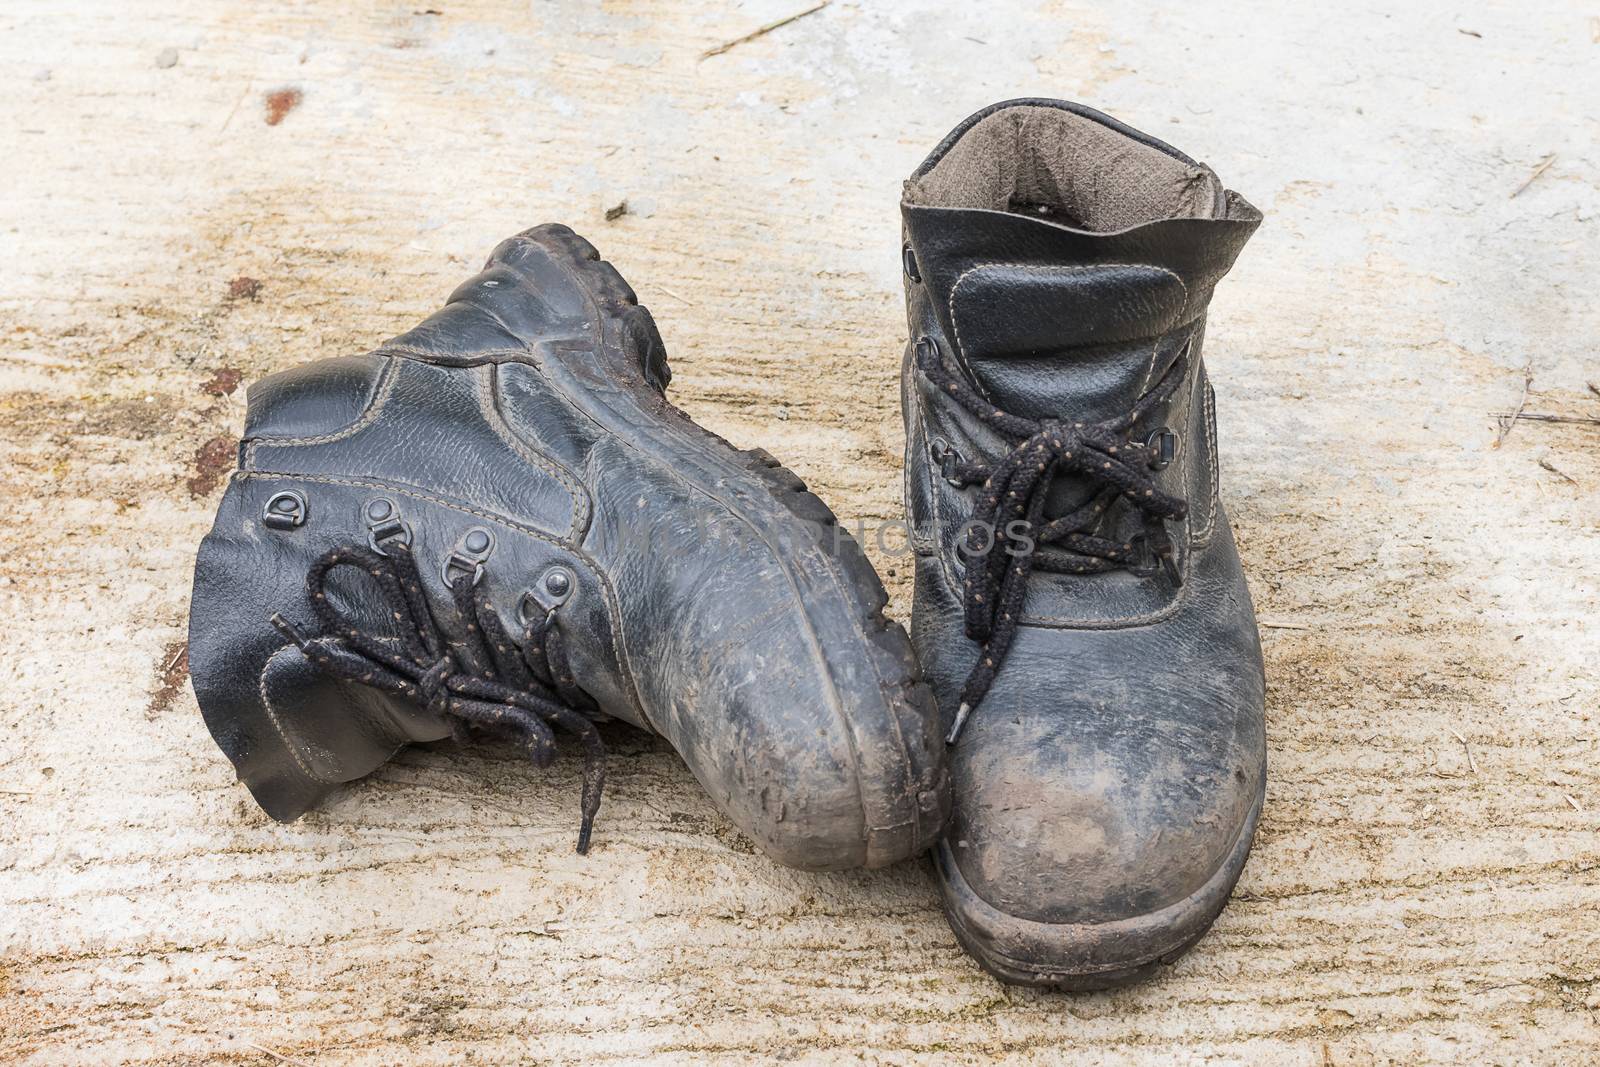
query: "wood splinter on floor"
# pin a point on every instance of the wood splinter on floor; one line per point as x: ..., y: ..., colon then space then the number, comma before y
x: 1544, y: 165
x: 1508, y: 419
x: 768, y: 28
x: 1472, y: 764
x: 280, y: 1057
x: 1558, y: 472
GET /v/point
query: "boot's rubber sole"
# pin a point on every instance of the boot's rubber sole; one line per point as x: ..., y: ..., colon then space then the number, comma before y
x: 1080, y: 957
x: 900, y: 775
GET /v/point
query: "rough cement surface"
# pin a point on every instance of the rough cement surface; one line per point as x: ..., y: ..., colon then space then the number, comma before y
x: 199, y: 192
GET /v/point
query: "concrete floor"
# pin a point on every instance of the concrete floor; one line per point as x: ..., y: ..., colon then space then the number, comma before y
x: 1426, y: 884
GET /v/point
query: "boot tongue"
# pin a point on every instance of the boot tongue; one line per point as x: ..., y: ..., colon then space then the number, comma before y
x: 1073, y: 343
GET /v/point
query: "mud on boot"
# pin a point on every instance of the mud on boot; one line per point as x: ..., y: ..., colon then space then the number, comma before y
x: 496, y: 524
x: 1080, y: 608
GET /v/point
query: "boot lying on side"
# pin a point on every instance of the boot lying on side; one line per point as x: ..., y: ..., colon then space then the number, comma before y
x: 1079, y: 608
x: 496, y: 524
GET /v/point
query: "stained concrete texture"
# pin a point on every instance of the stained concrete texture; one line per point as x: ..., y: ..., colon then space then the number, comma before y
x: 306, y: 179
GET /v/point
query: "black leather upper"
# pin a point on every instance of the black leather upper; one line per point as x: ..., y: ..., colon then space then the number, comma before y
x: 1115, y: 761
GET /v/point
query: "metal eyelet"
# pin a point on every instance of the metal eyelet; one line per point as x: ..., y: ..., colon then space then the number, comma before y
x: 384, y: 523
x: 1163, y: 445
x: 908, y: 260
x: 286, y: 510
x: 1152, y: 562
x: 554, y: 588
x: 947, y: 458
x: 468, y: 556
x: 1169, y: 564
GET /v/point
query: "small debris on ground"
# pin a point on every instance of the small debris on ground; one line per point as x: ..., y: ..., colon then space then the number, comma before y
x: 166, y: 59
x: 212, y: 460
x: 616, y: 212
x: 280, y: 102
x: 223, y: 382
x: 244, y: 287
x: 170, y: 674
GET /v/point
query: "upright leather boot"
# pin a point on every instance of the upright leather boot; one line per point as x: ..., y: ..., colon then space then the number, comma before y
x: 1079, y: 609
x: 497, y: 524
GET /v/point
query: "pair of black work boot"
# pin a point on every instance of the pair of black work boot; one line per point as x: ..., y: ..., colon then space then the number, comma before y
x: 497, y: 524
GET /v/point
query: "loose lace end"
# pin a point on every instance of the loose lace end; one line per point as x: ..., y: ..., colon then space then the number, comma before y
x: 961, y: 720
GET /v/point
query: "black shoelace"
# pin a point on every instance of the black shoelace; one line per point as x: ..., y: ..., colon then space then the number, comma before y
x: 1002, y: 554
x: 484, y: 681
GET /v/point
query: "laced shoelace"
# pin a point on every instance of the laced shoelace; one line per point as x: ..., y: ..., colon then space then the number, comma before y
x: 484, y: 681
x: 1014, y: 490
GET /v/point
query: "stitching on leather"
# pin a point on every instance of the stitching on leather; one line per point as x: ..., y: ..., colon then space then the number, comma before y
x: 1156, y: 344
x: 434, y: 359
x: 277, y: 724
x: 955, y: 324
x: 386, y: 380
x: 489, y: 405
x: 1213, y: 467
x: 1150, y: 366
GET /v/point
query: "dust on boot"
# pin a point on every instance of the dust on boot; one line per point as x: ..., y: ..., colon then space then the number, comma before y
x: 1079, y: 608
x: 496, y: 524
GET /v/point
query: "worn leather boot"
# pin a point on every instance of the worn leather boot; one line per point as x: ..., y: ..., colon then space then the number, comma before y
x: 1080, y: 609
x: 497, y: 524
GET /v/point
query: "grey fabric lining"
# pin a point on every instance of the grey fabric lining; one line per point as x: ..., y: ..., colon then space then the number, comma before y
x: 1070, y: 169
